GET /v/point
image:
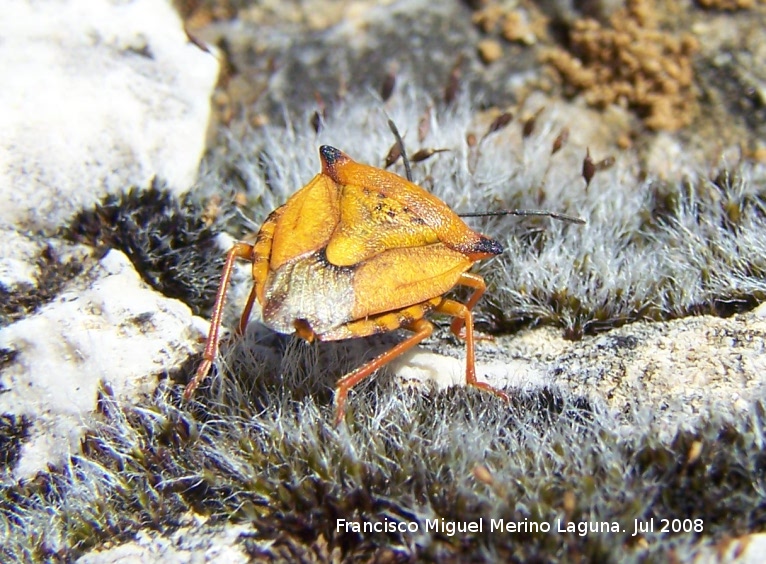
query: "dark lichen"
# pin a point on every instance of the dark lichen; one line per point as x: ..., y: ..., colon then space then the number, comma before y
x: 7, y: 356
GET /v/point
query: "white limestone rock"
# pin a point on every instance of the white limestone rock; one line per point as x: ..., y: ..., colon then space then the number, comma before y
x: 748, y: 549
x: 17, y: 264
x: 97, y: 95
x: 114, y: 330
x: 676, y: 372
x: 186, y: 545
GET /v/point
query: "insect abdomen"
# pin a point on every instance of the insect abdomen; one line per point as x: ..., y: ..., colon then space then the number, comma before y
x: 309, y: 289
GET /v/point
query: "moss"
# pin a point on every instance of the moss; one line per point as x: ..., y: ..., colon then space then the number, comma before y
x: 406, y: 457
x: 700, y: 241
x: 168, y: 242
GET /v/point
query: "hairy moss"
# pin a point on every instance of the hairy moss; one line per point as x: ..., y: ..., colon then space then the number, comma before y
x: 454, y: 455
x: 167, y: 241
x: 703, y: 244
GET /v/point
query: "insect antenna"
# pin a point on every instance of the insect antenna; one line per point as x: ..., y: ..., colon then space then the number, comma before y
x: 526, y: 213
x: 536, y: 213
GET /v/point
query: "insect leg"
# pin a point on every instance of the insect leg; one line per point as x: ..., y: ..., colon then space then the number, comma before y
x: 239, y: 250
x: 422, y: 329
x: 462, y: 313
x: 259, y: 256
x: 477, y: 283
x: 246, y: 312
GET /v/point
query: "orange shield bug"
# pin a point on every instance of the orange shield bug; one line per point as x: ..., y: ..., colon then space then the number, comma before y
x: 355, y: 252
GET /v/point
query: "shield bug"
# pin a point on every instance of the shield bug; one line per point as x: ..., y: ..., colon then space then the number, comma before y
x: 355, y: 252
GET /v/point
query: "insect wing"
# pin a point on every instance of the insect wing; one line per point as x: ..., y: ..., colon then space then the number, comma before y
x: 421, y: 213
x: 398, y: 278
